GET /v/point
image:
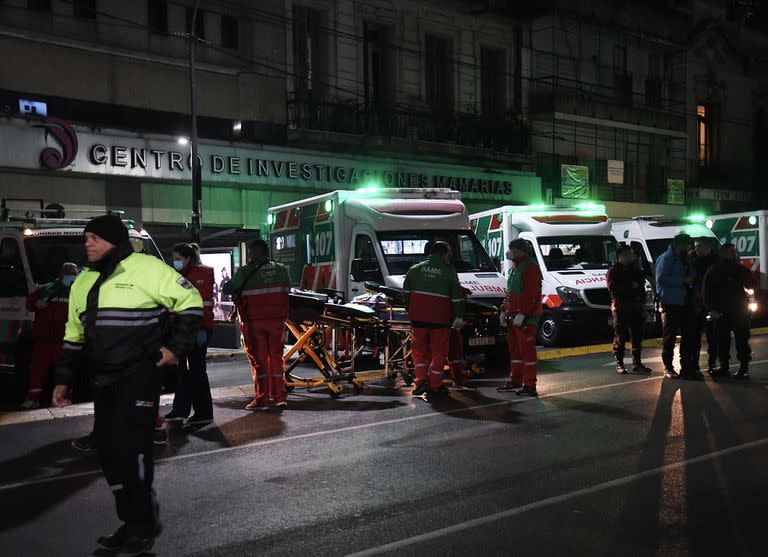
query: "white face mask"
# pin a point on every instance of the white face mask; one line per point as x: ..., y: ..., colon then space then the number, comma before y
x: 509, y: 255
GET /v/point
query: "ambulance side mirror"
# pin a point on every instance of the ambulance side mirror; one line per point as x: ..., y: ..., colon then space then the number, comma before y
x: 362, y: 270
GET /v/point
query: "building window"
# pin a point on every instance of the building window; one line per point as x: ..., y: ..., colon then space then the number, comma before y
x: 620, y: 59
x: 378, y: 63
x: 39, y: 5
x: 310, y: 52
x: 157, y: 16
x: 199, y: 23
x: 229, y: 32
x: 84, y: 8
x: 706, y: 133
x: 493, y: 91
x: 438, y: 73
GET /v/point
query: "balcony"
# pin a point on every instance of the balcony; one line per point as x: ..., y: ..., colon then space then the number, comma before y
x: 619, y: 102
x: 352, y: 117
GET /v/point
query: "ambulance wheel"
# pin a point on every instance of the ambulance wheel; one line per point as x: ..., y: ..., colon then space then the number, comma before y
x: 550, y: 330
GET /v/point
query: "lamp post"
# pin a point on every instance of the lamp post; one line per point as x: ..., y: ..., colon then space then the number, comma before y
x: 197, y: 185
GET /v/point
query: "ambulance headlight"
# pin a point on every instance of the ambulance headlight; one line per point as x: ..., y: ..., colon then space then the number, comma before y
x: 753, y: 306
x: 328, y: 205
x: 570, y: 296
x: 270, y: 219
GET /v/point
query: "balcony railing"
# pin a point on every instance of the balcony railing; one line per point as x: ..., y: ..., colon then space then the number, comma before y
x: 509, y: 135
x: 621, y: 93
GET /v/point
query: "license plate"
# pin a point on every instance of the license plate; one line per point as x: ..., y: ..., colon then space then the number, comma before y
x: 482, y: 341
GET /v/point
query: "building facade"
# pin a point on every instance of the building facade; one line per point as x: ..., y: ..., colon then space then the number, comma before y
x: 296, y: 97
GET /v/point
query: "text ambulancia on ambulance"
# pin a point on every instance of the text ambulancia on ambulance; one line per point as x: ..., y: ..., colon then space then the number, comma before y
x: 343, y: 239
x: 574, y: 248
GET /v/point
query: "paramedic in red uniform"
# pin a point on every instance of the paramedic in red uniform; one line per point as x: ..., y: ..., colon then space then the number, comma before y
x: 520, y: 314
x: 262, y: 288
x: 435, y: 305
x: 193, y: 390
x: 50, y: 302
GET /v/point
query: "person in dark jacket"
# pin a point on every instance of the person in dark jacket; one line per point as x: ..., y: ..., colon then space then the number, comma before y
x: 626, y: 283
x: 704, y: 256
x: 725, y: 299
x: 676, y: 287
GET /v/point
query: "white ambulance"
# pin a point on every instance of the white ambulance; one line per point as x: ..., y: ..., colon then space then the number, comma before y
x: 649, y: 237
x: 574, y: 248
x: 342, y: 239
x: 34, y: 243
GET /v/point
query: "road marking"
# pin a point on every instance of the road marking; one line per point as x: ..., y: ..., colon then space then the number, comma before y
x: 658, y: 359
x: 262, y: 442
x: 487, y: 519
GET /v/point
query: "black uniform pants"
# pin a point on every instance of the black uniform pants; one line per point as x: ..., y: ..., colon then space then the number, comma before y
x: 124, y: 423
x: 704, y: 325
x: 627, y: 325
x: 193, y: 390
x: 678, y: 320
x: 739, y: 323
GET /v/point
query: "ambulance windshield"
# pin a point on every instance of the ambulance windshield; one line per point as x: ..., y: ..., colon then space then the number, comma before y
x: 574, y: 253
x: 402, y: 249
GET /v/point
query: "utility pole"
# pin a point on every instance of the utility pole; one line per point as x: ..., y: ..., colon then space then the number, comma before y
x: 197, y: 182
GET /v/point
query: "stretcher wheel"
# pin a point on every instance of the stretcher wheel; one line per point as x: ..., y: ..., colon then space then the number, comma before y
x: 358, y: 385
x: 476, y: 369
x: 334, y: 390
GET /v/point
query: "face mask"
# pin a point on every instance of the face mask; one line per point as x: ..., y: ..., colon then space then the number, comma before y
x: 509, y: 255
x: 67, y: 280
x: 178, y: 265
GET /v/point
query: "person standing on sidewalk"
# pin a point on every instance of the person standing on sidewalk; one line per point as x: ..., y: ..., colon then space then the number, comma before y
x: 261, y: 290
x: 193, y: 390
x: 727, y: 303
x: 120, y: 321
x: 435, y: 304
x: 50, y: 302
x: 520, y: 315
x: 626, y: 283
x: 676, y: 287
x: 704, y: 257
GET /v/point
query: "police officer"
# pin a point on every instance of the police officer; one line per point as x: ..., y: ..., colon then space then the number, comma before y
x: 725, y: 299
x: 704, y: 257
x: 261, y: 290
x: 435, y: 304
x: 119, y: 320
x: 626, y: 283
x: 50, y: 302
x: 520, y: 314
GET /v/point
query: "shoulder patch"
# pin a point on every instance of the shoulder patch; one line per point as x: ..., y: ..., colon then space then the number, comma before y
x: 185, y: 283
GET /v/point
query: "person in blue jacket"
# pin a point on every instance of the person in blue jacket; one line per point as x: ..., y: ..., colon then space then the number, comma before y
x: 676, y: 287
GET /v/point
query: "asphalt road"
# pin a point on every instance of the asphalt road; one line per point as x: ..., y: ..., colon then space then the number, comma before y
x: 599, y: 465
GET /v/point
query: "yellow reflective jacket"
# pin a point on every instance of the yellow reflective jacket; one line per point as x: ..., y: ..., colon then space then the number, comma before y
x: 143, y: 305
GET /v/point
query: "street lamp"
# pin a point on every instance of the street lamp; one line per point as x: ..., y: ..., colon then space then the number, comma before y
x: 197, y: 186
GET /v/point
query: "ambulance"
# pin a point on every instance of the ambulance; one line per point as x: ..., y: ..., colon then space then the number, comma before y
x: 34, y: 243
x: 342, y: 239
x: 650, y: 236
x: 574, y: 248
x: 747, y: 231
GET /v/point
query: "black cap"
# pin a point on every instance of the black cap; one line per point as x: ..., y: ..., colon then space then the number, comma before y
x: 519, y: 244
x: 109, y: 228
x: 682, y: 239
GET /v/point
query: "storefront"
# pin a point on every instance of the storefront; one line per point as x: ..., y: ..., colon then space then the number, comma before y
x: 148, y: 176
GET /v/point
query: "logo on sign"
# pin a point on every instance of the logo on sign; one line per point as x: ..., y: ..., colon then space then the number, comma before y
x: 63, y: 132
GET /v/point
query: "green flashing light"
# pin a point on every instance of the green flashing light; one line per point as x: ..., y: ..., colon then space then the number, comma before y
x: 369, y: 187
x: 270, y: 219
x: 753, y: 220
x: 328, y: 205
x: 697, y: 218
x: 590, y: 206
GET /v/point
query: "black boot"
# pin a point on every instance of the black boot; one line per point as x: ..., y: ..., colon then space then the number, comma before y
x: 620, y: 369
x: 723, y: 370
x: 639, y: 367
x: 743, y: 372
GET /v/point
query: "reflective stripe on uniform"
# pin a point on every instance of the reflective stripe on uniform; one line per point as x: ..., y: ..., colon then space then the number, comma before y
x: 126, y: 323
x: 191, y: 311
x: 116, y: 487
x: 71, y: 346
x: 430, y: 294
x: 270, y: 290
x: 436, y: 372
